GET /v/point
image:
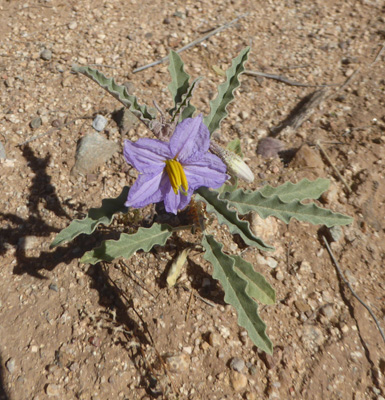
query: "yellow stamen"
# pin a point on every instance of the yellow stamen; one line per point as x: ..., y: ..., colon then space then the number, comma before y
x: 177, y: 176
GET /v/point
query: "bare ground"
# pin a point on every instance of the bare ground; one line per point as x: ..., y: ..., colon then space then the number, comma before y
x: 73, y: 331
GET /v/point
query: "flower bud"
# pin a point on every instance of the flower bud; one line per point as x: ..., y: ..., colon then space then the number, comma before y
x: 235, y: 165
x: 239, y: 168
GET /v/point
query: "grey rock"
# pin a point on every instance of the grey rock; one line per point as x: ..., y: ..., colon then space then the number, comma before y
x: 28, y: 242
x: 35, y: 123
x: 125, y: 120
x: 92, y: 151
x: 46, y: 55
x: 99, y: 123
x: 269, y: 147
x: 237, y: 364
x: 53, y: 287
x: 2, y: 152
x: 10, y: 364
x: 327, y: 311
x: 335, y: 233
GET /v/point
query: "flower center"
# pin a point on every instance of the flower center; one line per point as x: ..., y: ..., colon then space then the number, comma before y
x: 177, y: 176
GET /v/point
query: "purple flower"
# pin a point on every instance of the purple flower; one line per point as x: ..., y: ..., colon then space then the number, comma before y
x: 171, y: 171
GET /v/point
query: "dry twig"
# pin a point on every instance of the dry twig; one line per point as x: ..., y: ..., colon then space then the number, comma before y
x: 340, y: 273
x: 283, y: 79
x: 191, y: 44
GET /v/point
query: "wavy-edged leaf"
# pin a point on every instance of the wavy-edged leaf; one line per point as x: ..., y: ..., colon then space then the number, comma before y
x: 229, y: 217
x: 257, y: 287
x: 302, y: 190
x: 186, y: 109
x: 245, y: 202
x: 102, y: 215
x: 226, y: 92
x: 236, y: 293
x: 179, y: 85
x: 127, y: 245
x: 118, y: 91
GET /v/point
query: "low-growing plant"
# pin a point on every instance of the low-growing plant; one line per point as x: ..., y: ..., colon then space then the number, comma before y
x: 183, y: 162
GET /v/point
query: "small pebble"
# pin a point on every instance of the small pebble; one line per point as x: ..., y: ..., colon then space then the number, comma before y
x: 356, y: 356
x: 3, y: 154
x: 10, y: 364
x: 53, y: 287
x: 244, y: 115
x: 238, y: 381
x: 27, y: 242
x: 271, y: 262
x: 335, y: 233
x: 306, y: 157
x: 237, y: 364
x: 214, y: 339
x: 34, y: 349
x: 177, y: 363
x: 305, y: 267
x: 327, y: 311
x: 35, y: 123
x: 52, y: 390
x: 56, y: 123
x: 279, y: 276
x: 46, y: 55
x: 72, y: 25
x: 99, y: 123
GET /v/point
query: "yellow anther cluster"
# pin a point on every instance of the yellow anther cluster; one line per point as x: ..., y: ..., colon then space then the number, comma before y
x: 177, y: 176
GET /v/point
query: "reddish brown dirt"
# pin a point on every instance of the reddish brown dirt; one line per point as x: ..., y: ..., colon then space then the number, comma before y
x: 75, y: 331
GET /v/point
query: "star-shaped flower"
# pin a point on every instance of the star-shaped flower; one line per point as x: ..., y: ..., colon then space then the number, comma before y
x: 171, y: 171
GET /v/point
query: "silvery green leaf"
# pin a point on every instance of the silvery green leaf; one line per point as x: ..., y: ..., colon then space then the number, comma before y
x: 128, y: 244
x: 102, y: 215
x: 237, y: 293
x: 118, y: 91
x: 225, y: 95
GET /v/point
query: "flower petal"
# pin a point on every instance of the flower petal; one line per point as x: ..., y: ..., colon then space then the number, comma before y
x: 146, y: 190
x: 174, y: 202
x: 209, y: 171
x: 190, y: 139
x: 147, y: 155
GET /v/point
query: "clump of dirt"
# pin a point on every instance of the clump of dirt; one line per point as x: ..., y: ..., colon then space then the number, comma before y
x: 112, y: 331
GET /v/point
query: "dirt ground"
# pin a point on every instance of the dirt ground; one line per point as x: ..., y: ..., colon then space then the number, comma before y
x: 115, y: 331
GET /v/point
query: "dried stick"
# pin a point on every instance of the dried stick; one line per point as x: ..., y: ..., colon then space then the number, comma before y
x: 191, y: 44
x: 318, y: 143
x: 378, y: 54
x: 340, y: 273
x: 141, y: 283
x: 283, y: 79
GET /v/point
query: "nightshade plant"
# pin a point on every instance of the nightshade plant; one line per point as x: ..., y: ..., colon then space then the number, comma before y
x: 182, y: 162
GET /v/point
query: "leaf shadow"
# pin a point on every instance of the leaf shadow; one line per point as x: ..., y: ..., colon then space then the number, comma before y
x: 42, y: 196
x: 211, y: 290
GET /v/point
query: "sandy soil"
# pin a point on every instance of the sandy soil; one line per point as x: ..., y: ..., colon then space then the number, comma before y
x: 75, y: 331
